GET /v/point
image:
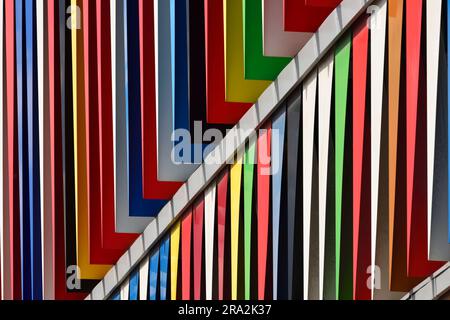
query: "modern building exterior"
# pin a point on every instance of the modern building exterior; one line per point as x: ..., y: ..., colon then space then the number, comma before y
x: 224, y: 149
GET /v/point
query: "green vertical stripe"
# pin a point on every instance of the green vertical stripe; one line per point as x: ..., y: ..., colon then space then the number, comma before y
x: 258, y: 66
x: 342, y: 70
x: 249, y: 160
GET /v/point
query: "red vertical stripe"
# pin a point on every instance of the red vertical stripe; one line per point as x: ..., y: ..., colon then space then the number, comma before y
x: 222, y: 195
x: 416, y: 131
x: 263, y: 186
x: 198, y: 246
x: 361, y: 164
x: 109, y: 238
x: 12, y: 165
x: 186, y: 231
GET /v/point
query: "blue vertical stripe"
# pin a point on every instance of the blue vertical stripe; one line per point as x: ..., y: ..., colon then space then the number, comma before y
x: 33, y: 152
x: 134, y: 285
x: 139, y: 207
x: 153, y: 277
x: 164, y: 265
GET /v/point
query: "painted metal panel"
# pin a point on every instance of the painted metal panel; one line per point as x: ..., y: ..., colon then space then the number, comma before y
x: 152, y: 187
x: 163, y: 268
x: 263, y: 194
x: 342, y: 169
x: 210, y: 213
x: 125, y: 290
x: 326, y: 74
x: 125, y: 223
x: 416, y: 162
x: 235, y: 211
x: 186, y: 241
x: 218, y: 109
x: 174, y: 258
x: 294, y: 170
x: 377, y: 81
x: 110, y: 239
x: 309, y: 112
x: 222, y: 196
x: 170, y: 168
x: 256, y: 65
x: 277, y: 42
x: 361, y: 163
x: 87, y: 270
x: 144, y: 278
x: 301, y: 16
x: 237, y: 88
x: 153, y: 277
x: 438, y: 246
x: 278, y: 188
x: 33, y: 152
x: 134, y: 285
x: 97, y: 254
x: 249, y: 168
x: 198, y: 218
x: 22, y: 128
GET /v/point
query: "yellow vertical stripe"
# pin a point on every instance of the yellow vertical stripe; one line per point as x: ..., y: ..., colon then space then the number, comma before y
x: 236, y: 175
x: 174, y: 254
x: 87, y: 271
x: 238, y: 89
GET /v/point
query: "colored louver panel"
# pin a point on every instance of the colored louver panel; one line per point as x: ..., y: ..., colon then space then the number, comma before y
x: 248, y: 169
x: 173, y: 162
x: 210, y: 213
x: 153, y: 275
x: 222, y: 198
x: 277, y: 42
x: 186, y: 237
x: 343, y: 170
x: 277, y: 155
x: 110, y: 239
x: 198, y: 219
x: 361, y: 162
x: 264, y: 171
x: 152, y: 187
x: 309, y: 112
x: 256, y: 65
x: 325, y: 75
x: 134, y: 286
x: 143, y: 278
x: 163, y: 268
x: 438, y: 246
x: 237, y: 88
x: 97, y: 254
x: 22, y: 126
x: 218, y: 109
x: 174, y: 258
x: 304, y: 16
x: 235, y: 212
x: 294, y: 172
x: 124, y: 221
x: 87, y: 270
x: 416, y: 161
x: 33, y: 152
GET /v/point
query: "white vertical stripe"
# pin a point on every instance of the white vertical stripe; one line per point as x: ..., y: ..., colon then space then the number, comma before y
x: 210, y: 211
x: 143, y: 279
x: 125, y: 290
x: 377, y: 61
x: 309, y: 109
x: 325, y: 93
x: 434, y: 9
